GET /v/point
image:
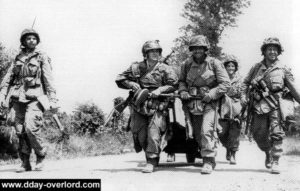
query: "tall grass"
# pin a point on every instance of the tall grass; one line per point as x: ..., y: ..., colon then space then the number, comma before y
x: 84, y: 145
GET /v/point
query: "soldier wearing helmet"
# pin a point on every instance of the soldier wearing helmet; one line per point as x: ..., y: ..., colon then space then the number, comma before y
x: 148, y: 119
x: 29, y: 80
x: 206, y: 77
x: 268, y: 79
x: 27, y: 32
x: 230, y: 112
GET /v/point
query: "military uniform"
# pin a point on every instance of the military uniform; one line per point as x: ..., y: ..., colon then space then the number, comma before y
x: 212, y: 74
x: 267, y: 120
x: 148, y: 122
x: 204, y: 77
x: 30, y: 78
x: 266, y: 124
x: 230, y: 122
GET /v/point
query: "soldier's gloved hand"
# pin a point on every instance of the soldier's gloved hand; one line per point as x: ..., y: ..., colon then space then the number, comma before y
x: 206, y: 98
x: 184, y: 95
x: 134, y: 86
x: 155, y: 93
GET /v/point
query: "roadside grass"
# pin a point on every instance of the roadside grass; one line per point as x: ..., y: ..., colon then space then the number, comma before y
x: 78, y: 146
x: 291, y: 146
x: 84, y: 146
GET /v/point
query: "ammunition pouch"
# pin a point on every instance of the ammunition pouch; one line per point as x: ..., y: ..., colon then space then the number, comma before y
x: 157, y: 104
x: 196, y: 107
x: 198, y: 91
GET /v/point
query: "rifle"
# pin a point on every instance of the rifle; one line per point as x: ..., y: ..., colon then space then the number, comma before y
x: 44, y: 101
x: 118, y: 109
x: 265, y: 94
x: 249, y: 113
x: 216, y: 121
x: 167, y: 57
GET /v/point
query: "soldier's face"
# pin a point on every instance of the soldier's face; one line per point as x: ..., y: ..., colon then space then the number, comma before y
x: 153, y: 54
x: 230, y: 67
x: 271, y: 52
x: 198, y: 51
x: 30, y: 41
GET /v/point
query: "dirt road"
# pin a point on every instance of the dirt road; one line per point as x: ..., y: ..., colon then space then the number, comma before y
x: 122, y: 172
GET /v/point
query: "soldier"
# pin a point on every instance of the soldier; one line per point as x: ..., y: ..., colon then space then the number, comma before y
x: 268, y: 82
x: 148, y: 121
x: 231, y: 107
x: 203, y: 76
x: 30, y: 78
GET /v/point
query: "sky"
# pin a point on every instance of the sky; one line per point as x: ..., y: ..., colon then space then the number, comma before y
x: 91, y: 41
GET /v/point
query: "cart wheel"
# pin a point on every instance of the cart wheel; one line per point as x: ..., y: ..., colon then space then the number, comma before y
x: 190, y: 157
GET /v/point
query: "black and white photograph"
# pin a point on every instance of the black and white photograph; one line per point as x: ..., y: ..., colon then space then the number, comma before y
x: 150, y: 95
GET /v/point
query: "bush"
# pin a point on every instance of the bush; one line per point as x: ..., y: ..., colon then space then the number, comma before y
x: 87, y: 119
x: 6, y: 59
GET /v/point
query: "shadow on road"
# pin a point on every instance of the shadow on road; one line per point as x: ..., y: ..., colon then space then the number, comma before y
x: 242, y: 170
x: 119, y: 170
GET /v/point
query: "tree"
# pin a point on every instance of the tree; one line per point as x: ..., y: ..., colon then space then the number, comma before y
x: 208, y: 18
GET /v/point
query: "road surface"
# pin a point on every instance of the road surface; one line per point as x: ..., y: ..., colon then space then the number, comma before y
x: 123, y: 172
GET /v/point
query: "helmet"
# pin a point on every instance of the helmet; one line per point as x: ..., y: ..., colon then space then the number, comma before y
x: 271, y: 41
x: 199, y: 40
x: 28, y: 32
x: 151, y: 45
x: 231, y: 58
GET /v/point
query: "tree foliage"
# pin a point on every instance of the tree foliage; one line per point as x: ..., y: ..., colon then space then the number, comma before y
x: 208, y: 18
x: 5, y: 61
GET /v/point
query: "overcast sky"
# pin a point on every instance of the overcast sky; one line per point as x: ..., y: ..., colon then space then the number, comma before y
x: 91, y: 41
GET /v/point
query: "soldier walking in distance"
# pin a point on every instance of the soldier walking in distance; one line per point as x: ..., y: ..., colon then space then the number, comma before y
x: 206, y: 77
x: 270, y: 83
x: 230, y: 111
x: 30, y: 78
x: 148, y: 119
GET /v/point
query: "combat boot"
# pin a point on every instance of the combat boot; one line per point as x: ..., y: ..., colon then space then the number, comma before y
x: 25, y: 166
x: 268, y: 161
x: 40, y: 163
x: 232, y: 158
x: 275, y: 166
x: 227, y: 154
x: 208, y: 166
x: 171, y: 157
x: 151, y: 164
x: 149, y: 168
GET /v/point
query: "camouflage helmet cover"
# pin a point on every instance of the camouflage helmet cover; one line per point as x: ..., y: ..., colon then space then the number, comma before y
x: 232, y: 59
x: 151, y: 45
x: 271, y: 41
x: 199, y: 41
x: 26, y: 32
